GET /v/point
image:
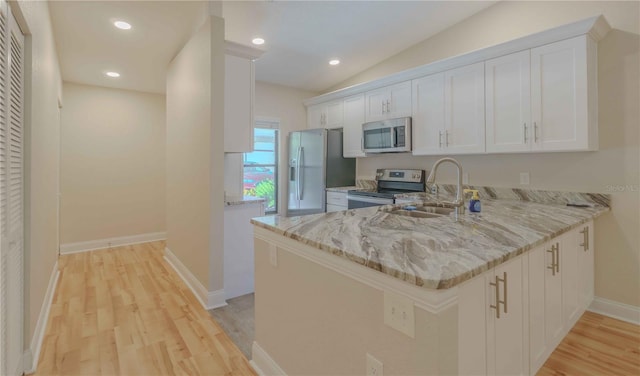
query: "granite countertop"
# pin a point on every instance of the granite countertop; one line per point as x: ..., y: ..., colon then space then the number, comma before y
x: 434, y: 253
x: 242, y: 200
x: 342, y: 189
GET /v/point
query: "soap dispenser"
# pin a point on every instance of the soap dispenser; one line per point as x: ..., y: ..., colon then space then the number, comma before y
x: 474, y: 203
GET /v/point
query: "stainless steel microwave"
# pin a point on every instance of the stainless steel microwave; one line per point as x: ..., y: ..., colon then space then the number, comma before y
x: 387, y: 136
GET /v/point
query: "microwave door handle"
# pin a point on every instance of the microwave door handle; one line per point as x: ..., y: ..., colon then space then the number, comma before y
x: 394, y: 138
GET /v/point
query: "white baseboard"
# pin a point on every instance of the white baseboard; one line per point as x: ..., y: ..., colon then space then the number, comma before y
x: 262, y: 363
x: 92, y: 245
x: 208, y: 299
x: 32, y: 354
x: 620, y: 311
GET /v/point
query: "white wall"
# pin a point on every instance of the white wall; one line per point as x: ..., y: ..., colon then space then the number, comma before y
x: 43, y: 90
x: 112, y: 163
x: 280, y: 103
x: 195, y: 172
x: 615, y: 164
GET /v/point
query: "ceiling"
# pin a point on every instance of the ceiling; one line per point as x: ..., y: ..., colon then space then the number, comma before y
x: 301, y: 37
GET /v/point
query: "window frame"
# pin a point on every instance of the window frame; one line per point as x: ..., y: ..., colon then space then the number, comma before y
x: 269, y: 125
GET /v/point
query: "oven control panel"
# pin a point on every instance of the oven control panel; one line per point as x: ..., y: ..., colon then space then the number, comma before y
x: 409, y: 176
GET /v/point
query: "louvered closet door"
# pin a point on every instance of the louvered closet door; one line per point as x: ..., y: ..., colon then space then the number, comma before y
x: 11, y: 191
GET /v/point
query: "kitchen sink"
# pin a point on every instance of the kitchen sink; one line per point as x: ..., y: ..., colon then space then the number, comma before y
x: 422, y: 211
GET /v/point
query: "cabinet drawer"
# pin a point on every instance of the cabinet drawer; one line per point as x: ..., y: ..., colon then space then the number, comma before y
x: 337, y: 198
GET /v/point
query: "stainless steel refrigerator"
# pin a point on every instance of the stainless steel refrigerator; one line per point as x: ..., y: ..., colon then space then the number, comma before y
x: 316, y: 163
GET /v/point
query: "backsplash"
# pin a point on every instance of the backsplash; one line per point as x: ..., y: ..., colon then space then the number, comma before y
x: 366, y: 183
x: 532, y: 195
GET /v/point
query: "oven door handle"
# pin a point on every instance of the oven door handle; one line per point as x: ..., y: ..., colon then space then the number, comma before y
x: 373, y: 200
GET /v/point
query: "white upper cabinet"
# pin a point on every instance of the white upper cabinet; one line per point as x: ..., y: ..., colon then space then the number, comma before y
x: 315, y: 116
x: 239, y: 96
x: 352, y: 126
x: 563, y: 95
x: 542, y: 98
x: 238, y: 104
x: 508, y: 103
x: 448, y: 112
x: 428, y: 115
x: 388, y: 102
x: 325, y: 115
x: 464, y: 109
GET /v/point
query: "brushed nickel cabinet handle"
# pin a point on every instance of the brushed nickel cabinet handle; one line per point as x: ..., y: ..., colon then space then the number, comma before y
x: 585, y: 238
x: 525, y: 133
x: 504, y: 293
x: 388, y: 104
x: 535, y: 132
x: 446, y: 138
x: 498, y: 301
x: 440, y: 139
x: 557, y: 257
x: 553, y: 260
x: 497, y: 305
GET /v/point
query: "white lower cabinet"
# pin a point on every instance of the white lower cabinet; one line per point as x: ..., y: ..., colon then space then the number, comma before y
x: 336, y: 201
x: 545, y: 304
x: 560, y: 290
x: 512, y: 317
x: 491, y: 322
x: 585, y: 264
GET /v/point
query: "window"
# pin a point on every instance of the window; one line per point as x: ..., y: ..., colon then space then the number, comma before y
x: 260, y: 175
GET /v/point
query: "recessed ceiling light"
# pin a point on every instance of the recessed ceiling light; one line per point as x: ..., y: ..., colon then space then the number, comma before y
x: 113, y: 74
x: 334, y: 62
x: 257, y: 41
x: 122, y: 25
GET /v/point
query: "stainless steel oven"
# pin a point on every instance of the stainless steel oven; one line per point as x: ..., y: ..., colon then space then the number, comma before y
x: 391, y: 182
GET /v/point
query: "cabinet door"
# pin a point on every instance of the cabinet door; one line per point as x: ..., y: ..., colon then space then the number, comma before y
x: 238, y: 104
x: 570, y: 278
x: 553, y: 296
x: 508, y: 103
x: 399, y: 100
x: 316, y: 116
x: 537, y: 307
x: 464, y: 109
x: 334, y: 114
x: 472, y: 326
x: 506, y: 353
x: 428, y: 115
x: 559, y: 95
x: 352, y: 127
x: 376, y: 104
x: 585, y: 264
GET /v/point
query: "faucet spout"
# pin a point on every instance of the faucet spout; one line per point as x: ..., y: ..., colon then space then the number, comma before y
x: 459, y: 201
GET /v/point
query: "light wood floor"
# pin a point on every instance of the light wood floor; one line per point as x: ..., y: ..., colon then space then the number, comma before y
x: 597, y: 345
x: 124, y: 311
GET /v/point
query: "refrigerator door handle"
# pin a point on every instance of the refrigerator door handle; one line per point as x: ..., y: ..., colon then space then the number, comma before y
x: 301, y: 172
x: 298, y: 174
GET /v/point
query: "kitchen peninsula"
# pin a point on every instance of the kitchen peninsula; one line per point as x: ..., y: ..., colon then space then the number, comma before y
x: 492, y: 293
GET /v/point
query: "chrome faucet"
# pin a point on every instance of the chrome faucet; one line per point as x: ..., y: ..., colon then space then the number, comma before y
x: 459, y: 201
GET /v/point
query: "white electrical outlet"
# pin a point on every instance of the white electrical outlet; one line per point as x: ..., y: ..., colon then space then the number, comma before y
x: 399, y: 313
x: 374, y: 366
x: 273, y: 255
x: 524, y: 178
x: 465, y: 178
